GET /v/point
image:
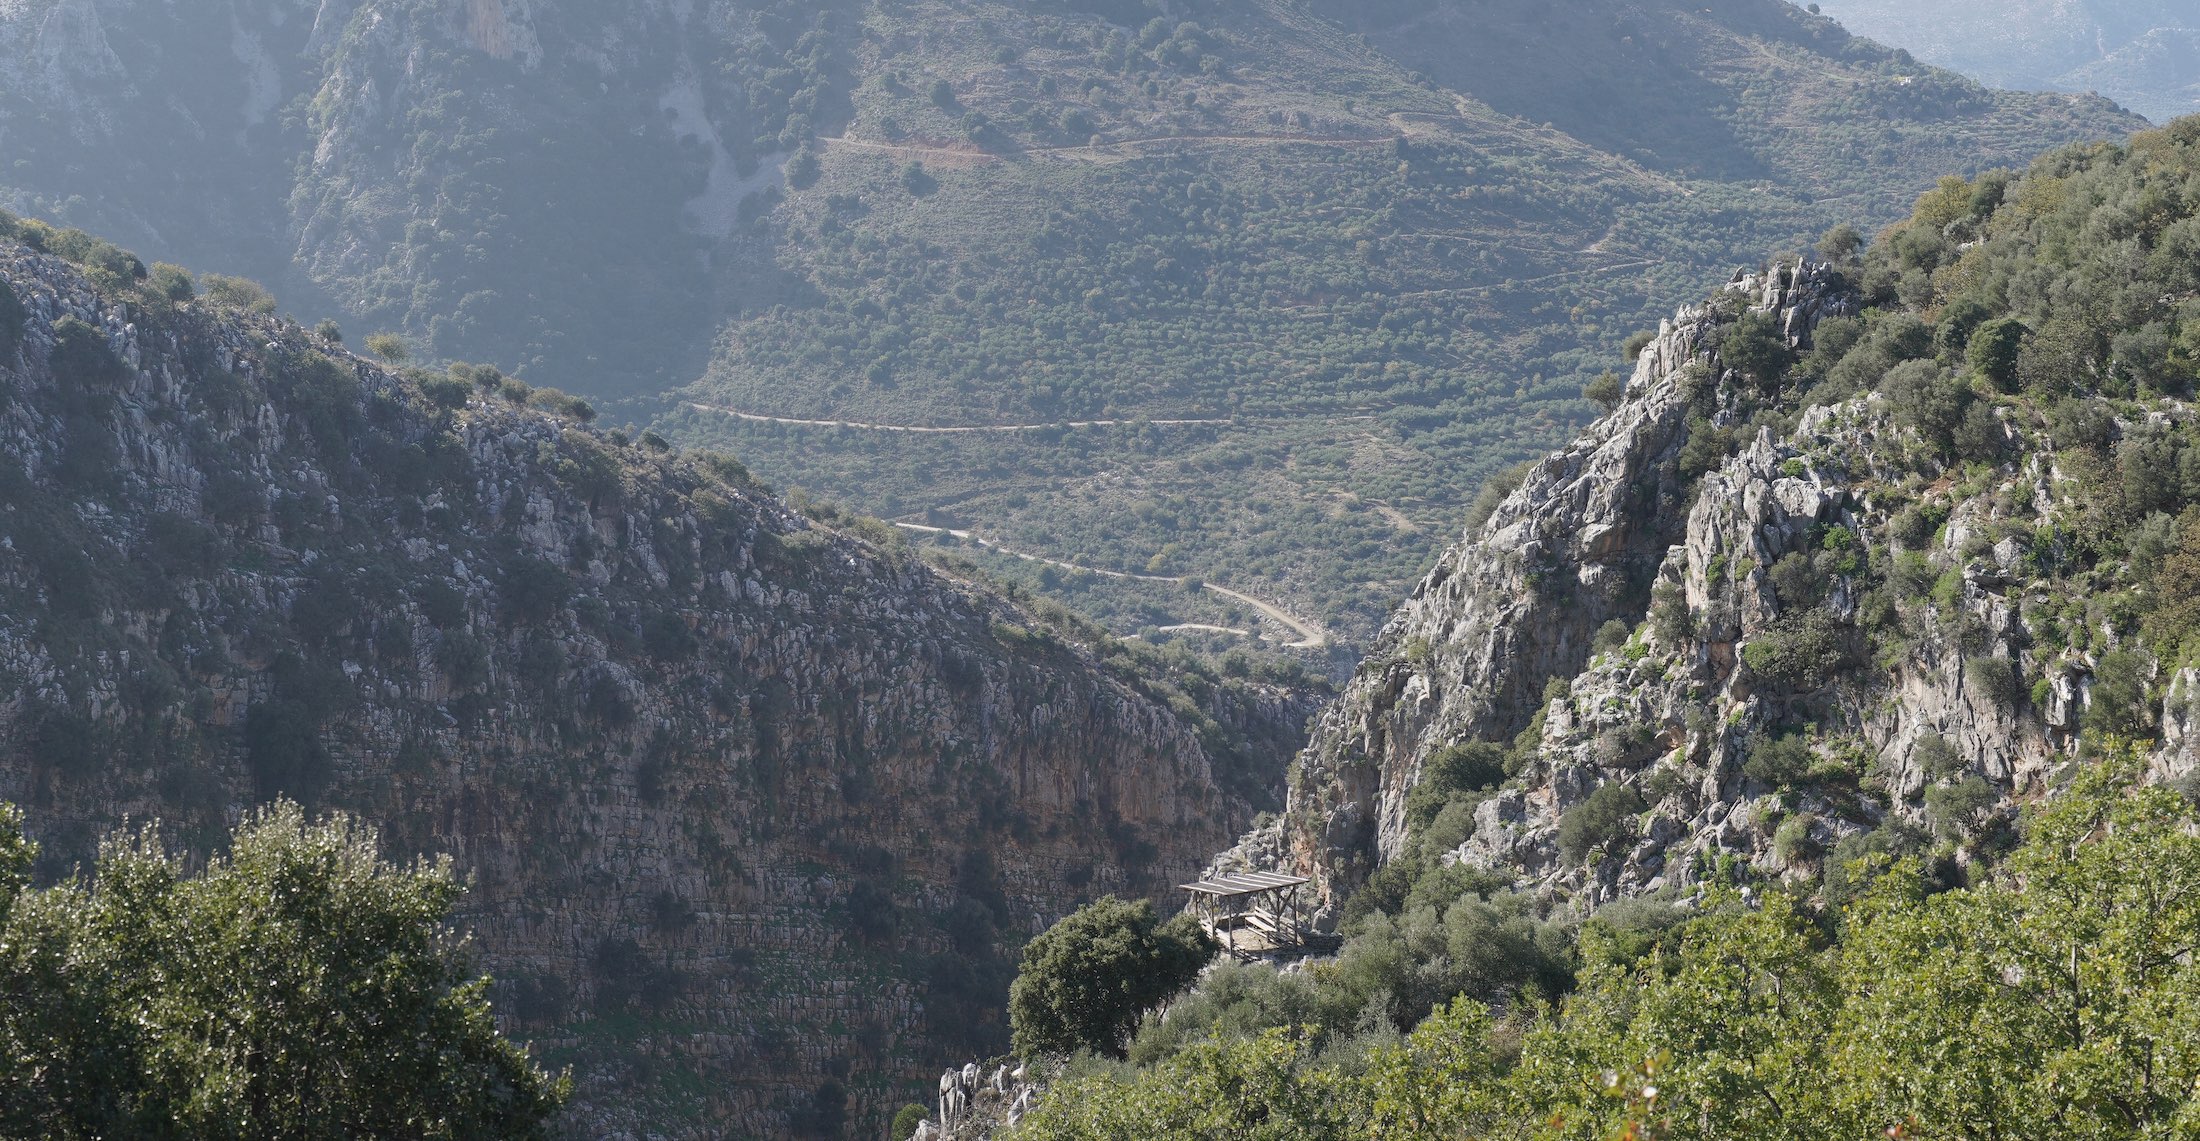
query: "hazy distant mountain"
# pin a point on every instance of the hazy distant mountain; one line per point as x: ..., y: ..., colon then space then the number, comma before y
x: 2144, y: 54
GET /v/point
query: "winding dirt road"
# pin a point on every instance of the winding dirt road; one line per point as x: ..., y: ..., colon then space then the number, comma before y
x: 759, y: 418
x: 1311, y: 637
x: 971, y: 154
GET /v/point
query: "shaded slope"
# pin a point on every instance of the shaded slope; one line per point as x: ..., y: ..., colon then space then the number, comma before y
x: 755, y: 810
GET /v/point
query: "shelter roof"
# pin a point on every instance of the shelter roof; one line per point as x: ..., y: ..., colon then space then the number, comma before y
x: 1243, y: 883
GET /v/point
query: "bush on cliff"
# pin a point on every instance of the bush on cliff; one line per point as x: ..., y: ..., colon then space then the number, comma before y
x: 1605, y: 819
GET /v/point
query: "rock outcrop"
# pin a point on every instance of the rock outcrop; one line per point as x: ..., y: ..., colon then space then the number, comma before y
x: 1467, y: 657
x: 755, y: 811
x: 1774, y: 653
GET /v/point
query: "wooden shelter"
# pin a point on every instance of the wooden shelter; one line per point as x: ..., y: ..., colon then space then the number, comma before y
x: 1251, y: 913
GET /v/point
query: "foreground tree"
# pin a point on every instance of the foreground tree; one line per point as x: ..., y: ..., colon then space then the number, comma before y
x: 297, y: 987
x: 1085, y: 981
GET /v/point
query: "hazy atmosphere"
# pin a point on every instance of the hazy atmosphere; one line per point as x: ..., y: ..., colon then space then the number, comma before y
x: 1080, y: 569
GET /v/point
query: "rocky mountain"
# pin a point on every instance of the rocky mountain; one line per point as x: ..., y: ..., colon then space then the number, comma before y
x: 2144, y: 54
x: 1259, y: 292
x: 1866, y: 553
x: 754, y: 807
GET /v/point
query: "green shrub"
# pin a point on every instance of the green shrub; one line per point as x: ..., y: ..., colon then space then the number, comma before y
x: 1915, y: 525
x: 97, y: 254
x: 1792, y: 843
x: 1955, y: 809
x: 1800, y: 653
x: 82, y: 359
x: 803, y: 168
x: 1993, y: 349
x: 1606, y: 390
x: 918, y: 181
x: 12, y: 315
x: 1959, y: 319
x: 237, y: 293
x: 1605, y: 818
x: 390, y: 347
x: 1754, y: 345
x: 1928, y: 401
x: 1085, y: 982
x: 1707, y: 447
x: 172, y: 282
x: 141, y: 995
x: 1995, y: 678
x: 1937, y: 759
x: 1797, y: 581
x: 563, y: 404
x: 2118, y: 704
x: 1465, y: 767
x: 534, y: 590
x: 1670, y: 619
x: 1779, y: 760
x: 1840, y: 245
x: 1452, y: 827
x: 446, y: 392
x: 667, y: 636
x: 1493, y: 493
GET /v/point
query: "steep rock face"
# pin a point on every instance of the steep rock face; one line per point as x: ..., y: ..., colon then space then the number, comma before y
x: 755, y: 811
x: 405, y: 147
x: 1673, y: 714
x: 1828, y: 649
x: 629, y: 110
x: 1515, y: 605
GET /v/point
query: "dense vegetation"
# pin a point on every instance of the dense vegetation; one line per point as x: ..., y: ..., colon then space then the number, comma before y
x: 296, y: 986
x: 2025, y: 359
x: 2056, y: 996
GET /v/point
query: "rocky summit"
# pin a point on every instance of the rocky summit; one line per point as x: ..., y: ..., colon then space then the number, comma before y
x: 1578, y: 544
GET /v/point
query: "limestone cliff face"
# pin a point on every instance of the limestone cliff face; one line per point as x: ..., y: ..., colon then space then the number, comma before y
x: 1674, y: 714
x: 1826, y: 635
x: 755, y: 810
x: 1517, y: 603
x: 446, y: 167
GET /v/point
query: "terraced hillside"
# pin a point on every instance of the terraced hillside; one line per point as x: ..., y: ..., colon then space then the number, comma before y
x: 1388, y: 251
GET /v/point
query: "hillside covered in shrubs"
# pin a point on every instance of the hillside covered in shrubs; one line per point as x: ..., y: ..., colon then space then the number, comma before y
x: 1806, y: 751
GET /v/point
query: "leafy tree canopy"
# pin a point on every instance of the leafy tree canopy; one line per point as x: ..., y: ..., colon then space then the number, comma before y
x: 297, y: 987
x: 1086, y: 980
